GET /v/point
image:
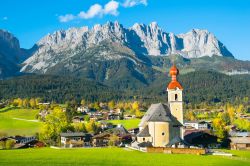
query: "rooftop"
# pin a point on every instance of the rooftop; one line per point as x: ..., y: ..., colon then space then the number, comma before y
x: 240, y: 140
x: 144, y: 132
x: 73, y: 134
x: 158, y: 113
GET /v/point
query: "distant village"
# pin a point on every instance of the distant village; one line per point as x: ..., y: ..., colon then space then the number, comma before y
x: 162, y: 127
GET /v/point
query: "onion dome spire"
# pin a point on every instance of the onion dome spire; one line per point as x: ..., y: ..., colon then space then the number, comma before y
x: 174, y: 72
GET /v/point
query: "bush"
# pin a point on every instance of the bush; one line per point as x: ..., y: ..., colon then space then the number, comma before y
x: 242, y: 124
x: 113, y: 141
x: 2, y: 144
x: 10, y: 144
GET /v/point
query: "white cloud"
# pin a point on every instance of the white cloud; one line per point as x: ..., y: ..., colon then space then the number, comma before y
x: 94, y: 10
x: 66, y: 18
x: 5, y: 18
x: 132, y: 3
x: 111, y: 8
x: 97, y: 10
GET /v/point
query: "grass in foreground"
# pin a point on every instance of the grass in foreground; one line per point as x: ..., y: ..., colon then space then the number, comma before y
x: 16, y: 121
x: 112, y: 156
x: 128, y: 124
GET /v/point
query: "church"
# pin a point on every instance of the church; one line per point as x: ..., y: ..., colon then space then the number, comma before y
x: 161, y: 126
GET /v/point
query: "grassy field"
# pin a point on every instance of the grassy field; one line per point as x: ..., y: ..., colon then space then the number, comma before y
x: 18, y: 121
x: 128, y: 124
x: 113, y: 156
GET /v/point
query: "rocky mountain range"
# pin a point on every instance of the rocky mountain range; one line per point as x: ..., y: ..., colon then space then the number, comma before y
x: 140, y: 39
x: 115, y: 55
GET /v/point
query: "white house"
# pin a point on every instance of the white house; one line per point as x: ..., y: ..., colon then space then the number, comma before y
x: 199, y: 125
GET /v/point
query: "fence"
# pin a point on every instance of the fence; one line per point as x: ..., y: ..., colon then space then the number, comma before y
x: 176, y: 150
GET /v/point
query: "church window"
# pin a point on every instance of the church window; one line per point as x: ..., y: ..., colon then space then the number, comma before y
x: 143, y: 139
x: 176, y: 97
x: 162, y: 133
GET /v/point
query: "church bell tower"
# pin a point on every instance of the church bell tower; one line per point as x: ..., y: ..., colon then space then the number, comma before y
x: 174, y: 90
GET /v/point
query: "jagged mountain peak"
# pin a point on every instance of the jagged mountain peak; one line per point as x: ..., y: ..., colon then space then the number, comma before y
x: 151, y: 26
x: 200, y: 42
x: 200, y: 31
x: 140, y: 39
x: 154, y: 26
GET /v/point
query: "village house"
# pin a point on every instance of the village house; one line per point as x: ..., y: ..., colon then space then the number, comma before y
x: 240, y: 140
x: 24, y: 142
x: 106, y: 125
x: 134, y: 130
x: 162, y: 123
x: 43, y: 114
x: 199, y: 125
x: 240, y: 143
x: 103, y: 105
x: 75, y: 139
x: 83, y: 109
x: 78, y: 119
x: 113, y: 116
x: 202, y: 139
x: 126, y: 117
x: 103, y: 139
x: 44, y: 104
x: 97, y: 116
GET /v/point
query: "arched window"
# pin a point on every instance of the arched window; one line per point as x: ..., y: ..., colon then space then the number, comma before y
x: 176, y: 97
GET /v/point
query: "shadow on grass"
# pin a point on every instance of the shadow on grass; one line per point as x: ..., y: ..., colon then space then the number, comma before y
x: 7, y: 109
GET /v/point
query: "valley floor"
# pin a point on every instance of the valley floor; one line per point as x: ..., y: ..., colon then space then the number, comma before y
x: 113, y: 156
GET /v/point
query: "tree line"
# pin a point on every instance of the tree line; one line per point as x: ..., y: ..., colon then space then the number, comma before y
x: 199, y: 87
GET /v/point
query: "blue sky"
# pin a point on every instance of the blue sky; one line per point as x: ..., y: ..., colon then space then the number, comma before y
x: 229, y: 20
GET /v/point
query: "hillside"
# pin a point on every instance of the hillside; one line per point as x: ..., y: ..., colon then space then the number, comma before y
x: 55, y: 88
x: 199, y: 86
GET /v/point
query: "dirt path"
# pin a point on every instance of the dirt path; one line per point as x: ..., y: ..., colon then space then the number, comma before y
x: 26, y: 120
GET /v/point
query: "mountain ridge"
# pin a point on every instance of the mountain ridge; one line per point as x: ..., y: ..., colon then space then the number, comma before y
x: 109, y: 51
x: 138, y: 40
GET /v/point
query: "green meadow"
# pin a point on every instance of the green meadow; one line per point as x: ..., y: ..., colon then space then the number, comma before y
x: 114, y: 156
x: 15, y: 121
x: 128, y: 124
x: 22, y: 121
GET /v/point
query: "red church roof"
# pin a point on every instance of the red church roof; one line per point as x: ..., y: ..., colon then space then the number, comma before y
x: 174, y: 83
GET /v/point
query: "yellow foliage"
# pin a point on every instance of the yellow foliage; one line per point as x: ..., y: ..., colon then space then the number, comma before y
x: 135, y: 106
x: 32, y: 103
x: 111, y: 104
x: 138, y: 113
